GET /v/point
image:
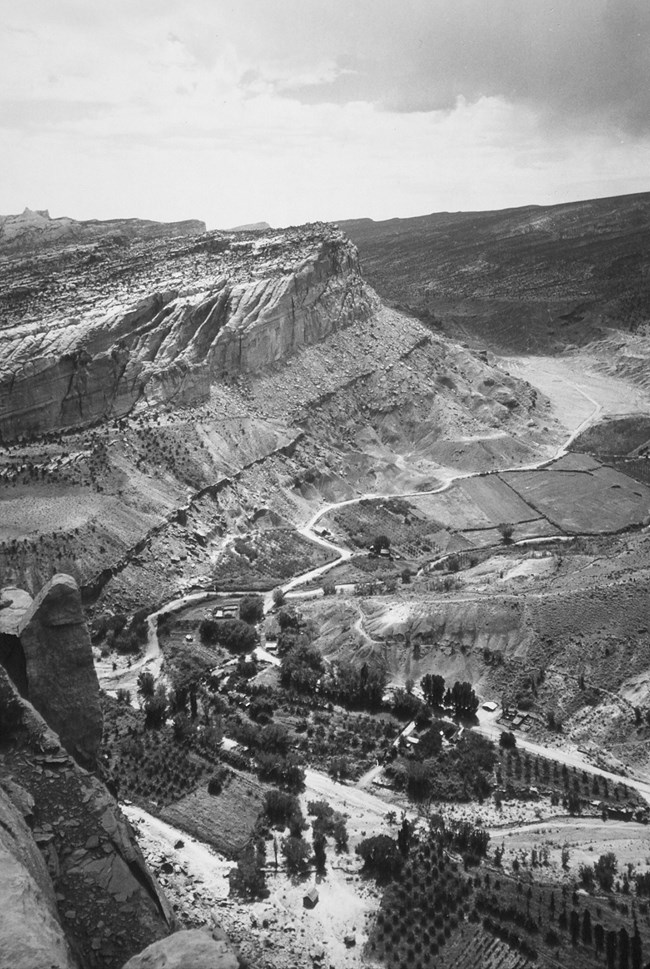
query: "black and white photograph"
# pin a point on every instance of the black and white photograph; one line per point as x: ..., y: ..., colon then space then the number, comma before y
x: 325, y: 484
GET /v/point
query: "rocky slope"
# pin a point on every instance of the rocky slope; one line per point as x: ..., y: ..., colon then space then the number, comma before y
x: 89, y: 333
x: 37, y: 230
x: 525, y: 279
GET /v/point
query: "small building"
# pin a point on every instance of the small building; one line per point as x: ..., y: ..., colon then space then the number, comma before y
x: 310, y: 898
x: 490, y: 706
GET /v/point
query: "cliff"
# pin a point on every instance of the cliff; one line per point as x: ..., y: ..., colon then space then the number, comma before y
x: 36, y: 229
x: 75, y: 888
x: 116, y: 326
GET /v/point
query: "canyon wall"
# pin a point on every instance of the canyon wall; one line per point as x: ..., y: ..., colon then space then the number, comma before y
x: 240, y: 306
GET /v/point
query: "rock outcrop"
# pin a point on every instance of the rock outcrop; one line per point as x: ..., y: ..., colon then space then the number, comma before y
x: 34, y: 229
x: 163, y: 321
x: 91, y: 879
x: 61, y: 681
x: 193, y: 949
x: 31, y: 935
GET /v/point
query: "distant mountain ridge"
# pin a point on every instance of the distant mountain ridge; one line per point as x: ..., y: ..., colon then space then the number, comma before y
x: 529, y: 278
x: 35, y: 229
x: 251, y: 227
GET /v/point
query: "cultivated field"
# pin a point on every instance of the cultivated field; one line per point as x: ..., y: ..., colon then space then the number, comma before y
x: 579, y: 501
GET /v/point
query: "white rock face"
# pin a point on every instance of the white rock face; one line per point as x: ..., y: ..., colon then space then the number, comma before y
x: 182, y: 321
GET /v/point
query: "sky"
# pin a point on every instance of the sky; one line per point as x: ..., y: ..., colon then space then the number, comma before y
x: 290, y: 111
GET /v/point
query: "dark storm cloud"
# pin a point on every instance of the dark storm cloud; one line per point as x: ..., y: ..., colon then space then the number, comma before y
x: 578, y: 60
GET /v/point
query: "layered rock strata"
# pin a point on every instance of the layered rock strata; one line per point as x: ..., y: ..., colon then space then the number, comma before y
x: 185, y: 316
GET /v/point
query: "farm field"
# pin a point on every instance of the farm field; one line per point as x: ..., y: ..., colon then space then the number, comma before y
x: 224, y: 821
x: 265, y: 558
x: 580, y: 501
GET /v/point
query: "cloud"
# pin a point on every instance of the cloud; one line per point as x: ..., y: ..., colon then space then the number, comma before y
x: 289, y: 110
x: 584, y: 60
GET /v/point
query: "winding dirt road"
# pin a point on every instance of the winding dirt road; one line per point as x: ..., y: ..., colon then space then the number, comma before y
x: 126, y: 678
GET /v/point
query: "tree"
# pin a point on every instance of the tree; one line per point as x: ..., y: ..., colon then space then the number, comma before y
x: 275, y: 738
x: 248, y: 879
x: 506, y: 530
x: 587, y: 877
x: 623, y: 948
x: 296, y: 854
x: 605, y: 870
x: 301, y: 668
x: 251, y: 609
x: 233, y: 634
x: 379, y: 542
x: 463, y: 699
x: 319, y: 841
x: 611, y: 941
x: 281, y: 807
x: 418, y: 781
x: 339, y: 768
x: 433, y: 689
x: 381, y: 857
x: 146, y: 683
x: 507, y: 740
x: 155, y: 707
x: 278, y: 597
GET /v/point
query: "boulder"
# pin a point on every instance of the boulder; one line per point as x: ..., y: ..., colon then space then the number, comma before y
x: 31, y: 936
x: 191, y: 949
x: 61, y: 679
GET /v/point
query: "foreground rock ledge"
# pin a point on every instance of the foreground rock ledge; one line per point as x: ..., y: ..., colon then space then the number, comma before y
x: 193, y: 949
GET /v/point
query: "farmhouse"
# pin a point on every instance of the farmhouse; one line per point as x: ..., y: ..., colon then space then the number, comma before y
x: 310, y: 898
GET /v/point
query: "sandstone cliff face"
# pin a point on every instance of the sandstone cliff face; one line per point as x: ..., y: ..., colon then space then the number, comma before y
x: 87, y: 349
x: 91, y: 878
x: 61, y: 679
